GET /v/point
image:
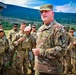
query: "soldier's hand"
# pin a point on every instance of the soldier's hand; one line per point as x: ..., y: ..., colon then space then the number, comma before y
x: 21, y: 39
x: 15, y: 43
x: 36, y: 51
x: 74, y: 43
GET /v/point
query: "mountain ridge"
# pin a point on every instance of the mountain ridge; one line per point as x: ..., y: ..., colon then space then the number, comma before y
x: 34, y: 14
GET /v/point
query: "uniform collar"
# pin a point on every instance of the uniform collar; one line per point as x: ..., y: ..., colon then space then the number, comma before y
x: 49, y: 25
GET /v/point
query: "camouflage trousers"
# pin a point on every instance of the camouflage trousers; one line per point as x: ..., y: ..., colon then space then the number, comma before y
x: 31, y: 59
x: 21, y: 63
x: 73, y: 61
x: 11, y: 56
x: 1, y: 62
x: 67, y: 63
x: 40, y: 73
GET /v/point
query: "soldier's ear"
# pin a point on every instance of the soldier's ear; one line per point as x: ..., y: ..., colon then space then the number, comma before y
x: 53, y: 13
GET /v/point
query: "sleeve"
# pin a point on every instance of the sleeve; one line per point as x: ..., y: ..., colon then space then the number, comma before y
x: 70, y: 45
x: 15, y: 39
x: 34, y: 42
x: 9, y: 36
x: 6, y: 45
x: 59, y: 44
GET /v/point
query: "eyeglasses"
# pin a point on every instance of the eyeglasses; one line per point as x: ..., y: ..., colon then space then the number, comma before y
x: 1, y: 31
x: 44, y: 11
x: 33, y: 27
x: 15, y: 26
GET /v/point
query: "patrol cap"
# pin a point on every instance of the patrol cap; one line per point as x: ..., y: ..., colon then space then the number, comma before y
x: 27, y: 28
x: 46, y: 7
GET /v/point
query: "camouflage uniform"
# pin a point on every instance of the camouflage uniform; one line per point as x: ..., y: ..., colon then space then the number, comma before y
x: 21, y: 61
x: 4, y: 45
x: 51, y: 40
x: 15, y: 38
x: 74, y: 56
x: 68, y: 54
x: 34, y: 34
x: 11, y: 35
x: 33, y: 31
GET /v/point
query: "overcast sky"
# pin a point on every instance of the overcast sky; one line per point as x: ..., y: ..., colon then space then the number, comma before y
x: 59, y: 5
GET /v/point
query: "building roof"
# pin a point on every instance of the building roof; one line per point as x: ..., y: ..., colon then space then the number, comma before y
x: 2, y: 5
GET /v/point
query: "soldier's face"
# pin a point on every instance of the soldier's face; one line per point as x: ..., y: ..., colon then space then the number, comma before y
x: 1, y: 33
x: 27, y: 32
x: 34, y: 28
x: 15, y: 27
x: 47, y: 16
x: 22, y: 27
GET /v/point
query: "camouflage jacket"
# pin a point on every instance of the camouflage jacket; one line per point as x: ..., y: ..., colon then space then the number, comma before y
x: 69, y: 51
x: 11, y: 35
x: 15, y: 39
x: 51, y: 40
x: 74, y: 45
x: 28, y: 43
x: 69, y: 41
x: 4, y: 45
x: 34, y: 34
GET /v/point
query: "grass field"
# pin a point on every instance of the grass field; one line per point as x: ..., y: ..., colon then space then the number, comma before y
x: 6, y: 32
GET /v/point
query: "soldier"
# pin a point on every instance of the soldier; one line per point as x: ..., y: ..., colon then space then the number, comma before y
x: 71, y: 31
x: 74, y: 59
x: 2, y: 28
x: 51, y: 44
x: 31, y: 44
x: 11, y: 35
x: 16, y: 37
x: 13, y: 32
x: 4, y: 45
x: 68, y: 53
x: 24, y: 45
x: 34, y: 31
x: 21, y: 32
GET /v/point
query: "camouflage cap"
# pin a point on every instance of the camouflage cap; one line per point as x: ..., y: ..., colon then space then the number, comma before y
x: 46, y: 7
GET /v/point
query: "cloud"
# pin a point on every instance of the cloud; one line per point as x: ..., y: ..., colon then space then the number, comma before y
x: 16, y: 2
x: 69, y: 8
x: 24, y: 3
x: 36, y: 7
x: 35, y: 4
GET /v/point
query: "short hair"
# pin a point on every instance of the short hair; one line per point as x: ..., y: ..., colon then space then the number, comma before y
x: 71, y: 28
x: 23, y: 23
x: 0, y: 24
x: 15, y: 24
x: 33, y: 26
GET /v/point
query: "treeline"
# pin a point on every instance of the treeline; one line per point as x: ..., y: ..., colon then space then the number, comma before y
x: 8, y: 26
